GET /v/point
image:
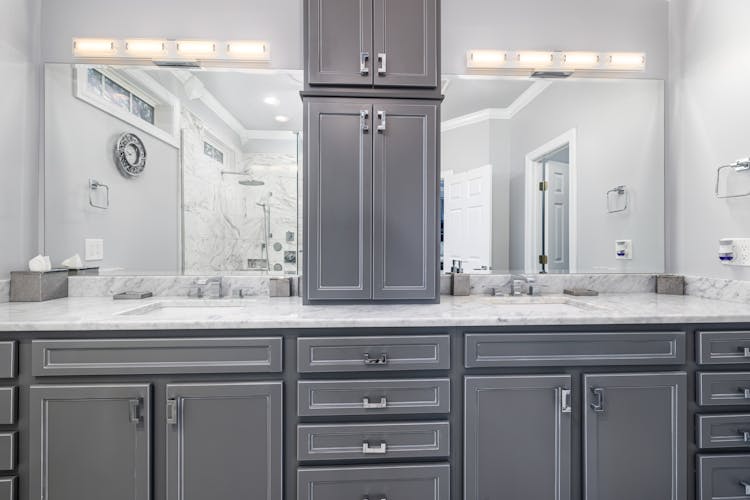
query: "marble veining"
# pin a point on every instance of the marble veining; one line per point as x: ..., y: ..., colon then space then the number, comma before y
x: 718, y: 289
x: 258, y: 313
x: 165, y: 286
x: 482, y: 284
x: 4, y: 291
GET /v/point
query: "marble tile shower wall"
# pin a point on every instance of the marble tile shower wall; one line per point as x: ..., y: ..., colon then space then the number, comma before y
x: 223, y: 220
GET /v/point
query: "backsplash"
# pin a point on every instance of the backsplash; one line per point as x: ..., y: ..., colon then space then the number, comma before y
x: 4, y: 291
x: 555, y: 283
x: 718, y: 289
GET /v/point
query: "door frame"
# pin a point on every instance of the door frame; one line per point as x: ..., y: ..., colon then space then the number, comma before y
x: 532, y: 209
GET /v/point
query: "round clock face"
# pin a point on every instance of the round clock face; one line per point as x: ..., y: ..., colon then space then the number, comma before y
x: 130, y: 155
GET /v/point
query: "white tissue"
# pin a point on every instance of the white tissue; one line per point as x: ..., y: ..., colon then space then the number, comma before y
x: 73, y: 262
x: 40, y: 264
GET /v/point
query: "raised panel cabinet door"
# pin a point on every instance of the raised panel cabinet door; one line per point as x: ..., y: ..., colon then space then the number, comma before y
x: 338, y: 193
x: 339, y: 42
x: 224, y: 441
x: 406, y: 43
x: 90, y: 442
x: 635, y: 436
x: 405, y: 197
x: 517, y: 437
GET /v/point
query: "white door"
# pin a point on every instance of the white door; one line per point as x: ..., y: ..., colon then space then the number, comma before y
x: 468, y: 219
x: 557, y: 217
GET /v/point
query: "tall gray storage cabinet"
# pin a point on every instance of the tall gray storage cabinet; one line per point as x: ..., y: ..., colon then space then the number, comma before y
x: 371, y: 179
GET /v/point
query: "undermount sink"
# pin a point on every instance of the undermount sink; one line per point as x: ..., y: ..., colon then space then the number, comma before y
x: 546, y: 304
x: 191, y: 307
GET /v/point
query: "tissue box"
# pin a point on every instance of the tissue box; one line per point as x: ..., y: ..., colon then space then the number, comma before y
x: 30, y: 286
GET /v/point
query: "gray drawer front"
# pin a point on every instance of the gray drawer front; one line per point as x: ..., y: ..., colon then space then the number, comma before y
x: 376, y: 354
x: 574, y: 349
x: 155, y: 356
x: 7, y: 451
x: 720, y: 477
x: 724, y: 389
x: 373, y: 397
x: 8, y: 398
x: 8, y: 488
x: 724, y: 431
x: 8, y: 363
x: 373, y: 441
x: 723, y: 348
x: 403, y: 482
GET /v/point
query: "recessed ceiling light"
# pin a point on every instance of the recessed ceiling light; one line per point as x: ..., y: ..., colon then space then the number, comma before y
x: 272, y: 101
x: 282, y: 119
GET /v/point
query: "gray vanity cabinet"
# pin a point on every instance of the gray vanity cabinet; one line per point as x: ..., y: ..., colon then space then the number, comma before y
x: 381, y: 43
x: 518, y: 437
x: 635, y: 436
x: 90, y: 442
x: 371, y: 189
x: 224, y: 441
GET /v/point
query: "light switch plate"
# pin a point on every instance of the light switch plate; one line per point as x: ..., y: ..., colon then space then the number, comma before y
x: 94, y: 249
x: 741, y: 248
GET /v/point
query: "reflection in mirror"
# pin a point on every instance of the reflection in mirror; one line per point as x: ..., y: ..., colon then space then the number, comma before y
x: 542, y: 176
x: 216, y: 190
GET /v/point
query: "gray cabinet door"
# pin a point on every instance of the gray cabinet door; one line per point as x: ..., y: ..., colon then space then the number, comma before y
x: 635, y: 436
x: 338, y: 200
x: 406, y: 43
x: 224, y: 441
x: 90, y: 442
x: 405, y: 192
x: 339, y: 42
x: 517, y: 438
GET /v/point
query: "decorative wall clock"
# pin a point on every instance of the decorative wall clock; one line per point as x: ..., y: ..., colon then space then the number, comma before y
x: 130, y: 155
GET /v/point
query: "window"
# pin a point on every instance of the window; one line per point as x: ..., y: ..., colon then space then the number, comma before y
x: 213, y: 152
x: 103, y: 86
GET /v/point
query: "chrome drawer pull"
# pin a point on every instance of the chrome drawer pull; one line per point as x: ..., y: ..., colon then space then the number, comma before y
x: 745, y: 485
x: 746, y: 350
x: 566, y: 405
x: 381, y: 449
x: 172, y: 411
x: 598, y: 404
x: 745, y: 436
x: 374, y: 406
x: 134, y: 406
x: 363, y: 58
x: 380, y: 360
x: 364, y: 115
x: 382, y: 60
x: 368, y: 498
x: 745, y: 392
x: 383, y: 117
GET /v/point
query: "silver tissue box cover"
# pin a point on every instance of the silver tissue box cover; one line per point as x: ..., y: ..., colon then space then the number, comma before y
x: 30, y: 286
x: 280, y: 287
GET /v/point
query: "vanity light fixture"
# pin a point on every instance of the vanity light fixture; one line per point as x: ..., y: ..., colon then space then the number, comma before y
x: 282, y: 119
x: 533, y: 60
x: 580, y: 60
x: 249, y: 50
x: 486, y: 59
x: 196, y: 48
x: 272, y: 101
x: 94, y: 47
x: 626, y: 61
x: 141, y: 47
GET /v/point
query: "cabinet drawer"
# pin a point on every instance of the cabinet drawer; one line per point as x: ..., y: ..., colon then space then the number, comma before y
x: 723, y: 477
x: 724, y: 389
x: 723, y: 348
x: 8, y: 405
x: 7, y: 451
x: 724, y: 431
x: 374, y: 397
x: 574, y: 349
x: 8, y: 488
x: 155, y: 356
x: 403, y: 482
x: 373, y: 441
x: 8, y: 363
x: 355, y: 354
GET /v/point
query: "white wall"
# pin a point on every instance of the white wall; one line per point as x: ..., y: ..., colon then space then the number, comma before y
x: 620, y: 140
x: 19, y: 132
x: 278, y: 21
x: 140, y: 230
x: 598, y: 25
x: 708, y: 119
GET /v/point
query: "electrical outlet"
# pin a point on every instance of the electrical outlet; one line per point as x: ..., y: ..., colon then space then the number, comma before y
x: 741, y: 251
x: 94, y: 249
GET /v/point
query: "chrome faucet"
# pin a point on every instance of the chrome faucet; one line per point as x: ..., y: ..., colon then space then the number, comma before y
x: 210, y: 288
x: 517, y: 284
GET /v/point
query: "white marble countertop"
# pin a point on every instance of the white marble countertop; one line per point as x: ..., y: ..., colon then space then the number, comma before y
x: 81, y: 314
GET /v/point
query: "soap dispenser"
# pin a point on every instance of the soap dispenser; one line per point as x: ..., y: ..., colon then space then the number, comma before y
x: 460, y: 282
x: 726, y: 250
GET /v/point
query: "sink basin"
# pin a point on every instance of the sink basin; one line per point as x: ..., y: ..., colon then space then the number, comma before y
x: 187, y: 307
x: 543, y: 304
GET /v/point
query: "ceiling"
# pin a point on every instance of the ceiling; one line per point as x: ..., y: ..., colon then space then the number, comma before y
x: 466, y: 95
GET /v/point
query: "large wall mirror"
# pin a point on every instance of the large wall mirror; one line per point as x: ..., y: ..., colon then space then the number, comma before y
x: 217, y: 190
x: 552, y: 176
